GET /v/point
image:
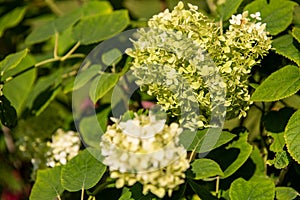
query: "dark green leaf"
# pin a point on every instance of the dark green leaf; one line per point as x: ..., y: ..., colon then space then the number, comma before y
x: 82, y: 172
x: 277, y: 14
x: 201, y: 191
x: 292, y: 136
x: 11, y: 19
x: 104, y: 27
x: 281, y: 84
x: 8, y: 114
x: 101, y: 85
x: 260, y: 188
x: 286, y: 193
x: 47, y: 185
x: 206, y: 168
x: 228, y: 8
x: 284, y: 45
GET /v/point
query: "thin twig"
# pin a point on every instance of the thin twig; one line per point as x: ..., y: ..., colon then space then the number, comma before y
x: 55, y: 46
x: 70, y: 52
x: 53, y: 7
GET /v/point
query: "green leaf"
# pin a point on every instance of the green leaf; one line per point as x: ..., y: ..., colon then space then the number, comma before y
x: 277, y: 14
x: 12, y: 60
x: 245, y: 150
x: 284, y: 45
x: 223, y: 138
x: 280, y: 84
x: 286, y: 193
x: 11, y: 19
x: 91, y: 128
x: 101, y: 85
x: 292, y: 136
x: 258, y: 160
x: 58, y: 25
x: 111, y: 57
x: 86, y: 75
x: 23, y: 84
x: 260, y: 188
x: 278, y: 141
x: 281, y: 160
x: 104, y: 27
x: 82, y: 172
x: 228, y: 8
x: 201, y: 191
x: 47, y: 185
x: 206, y: 168
x: 8, y: 114
x: 44, y: 91
x: 296, y: 33
x: 126, y: 194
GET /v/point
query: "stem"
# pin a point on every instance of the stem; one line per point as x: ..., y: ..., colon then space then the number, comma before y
x: 46, y: 61
x: 70, y: 52
x: 82, y: 193
x: 101, y: 187
x: 217, y: 185
x: 58, y: 197
x: 54, y: 7
x: 192, y: 156
x: 56, y: 46
x: 282, y: 175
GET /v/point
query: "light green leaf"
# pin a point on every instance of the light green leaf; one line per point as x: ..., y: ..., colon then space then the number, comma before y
x: 280, y: 84
x: 111, y: 57
x: 86, y: 75
x: 206, y: 168
x: 292, y: 136
x: 104, y: 27
x: 284, y: 46
x: 277, y: 14
x: 228, y: 8
x: 223, y: 138
x: 101, y: 85
x: 281, y: 160
x: 11, y: 19
x: 91, y: 128
x: 12, y: 60
x: 47, y: 185
x: 296, y: 33
x: 278, y: 141
x: 286, y: 193
x: 23, y: 84
x: 245, y: 150
x: 126, y: 194
x: 258, y: 160
x: 260, y: 188
x: 82, y: 172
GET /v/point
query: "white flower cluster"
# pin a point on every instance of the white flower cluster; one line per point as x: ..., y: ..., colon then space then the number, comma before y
x: 145, y: 150
x: 64, y: 146
x: 169, y: 67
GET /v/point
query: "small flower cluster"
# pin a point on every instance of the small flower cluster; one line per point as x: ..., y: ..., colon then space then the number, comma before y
x: 145, y: 150
x: 64, y: 146
x: 184, y: 58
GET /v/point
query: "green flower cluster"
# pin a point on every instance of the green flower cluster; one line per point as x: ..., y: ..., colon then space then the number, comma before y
x: 187, y: 62
x: 145, y: 150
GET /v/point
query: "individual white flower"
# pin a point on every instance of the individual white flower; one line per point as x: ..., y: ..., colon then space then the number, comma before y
x: 256, y: 16
x: 236, y: 19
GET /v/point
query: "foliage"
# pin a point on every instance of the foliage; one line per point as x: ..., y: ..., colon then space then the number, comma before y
x: 55, y: 87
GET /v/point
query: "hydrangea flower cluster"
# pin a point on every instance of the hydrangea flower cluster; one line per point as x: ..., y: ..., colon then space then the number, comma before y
x: 145, y: 150
x: 64, y: 146
x: 184, y: 58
